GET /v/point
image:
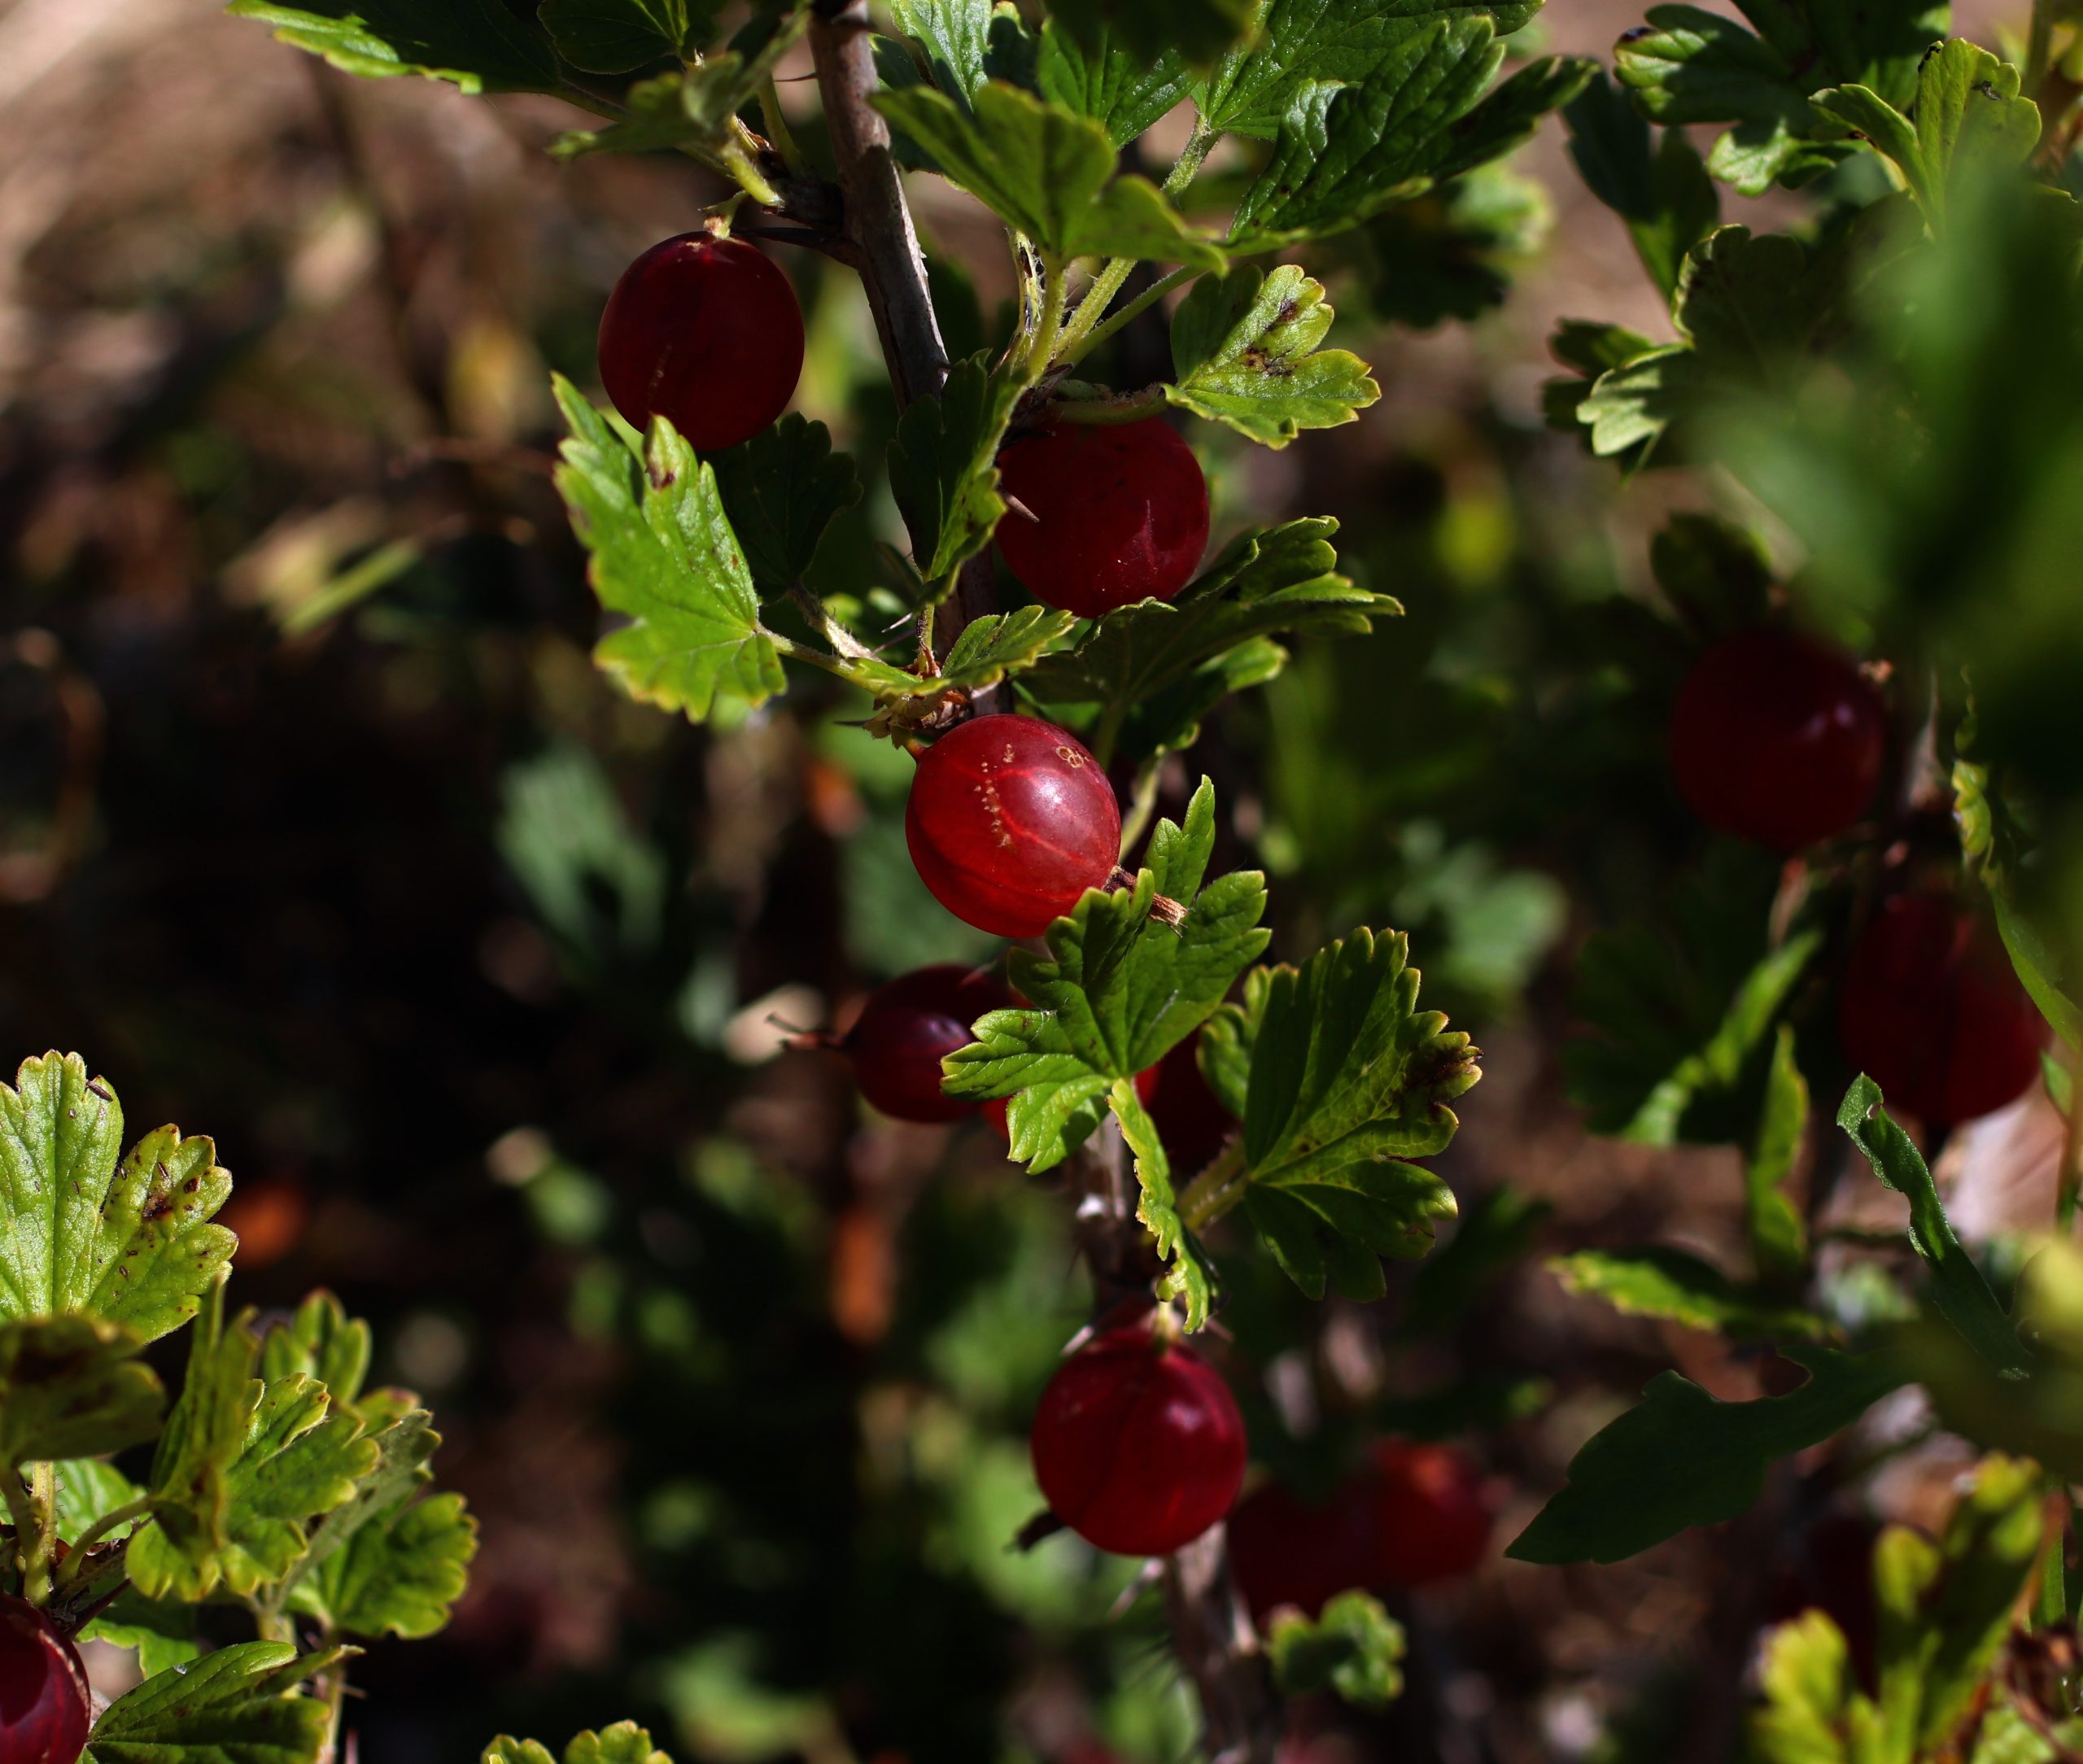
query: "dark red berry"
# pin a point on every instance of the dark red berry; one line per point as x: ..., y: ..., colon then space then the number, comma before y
x: 908, y: 1026
x: 1114, y: 514
x: 705, y: 333
x: 1138, y: 1445
x: 1284, y: 1550
x: 1931, y: 1010
x: 1827, y: 1566
x: 1433, y: 1513
x: 45, y: 1706
x: 1777, y: 738
x: 1193, y: 1125
x: 1010, y: 821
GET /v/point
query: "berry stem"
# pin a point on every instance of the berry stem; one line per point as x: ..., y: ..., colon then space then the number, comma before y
x: 2070, y: 1180
x: 69, y: 1570
x: 1079, y: 401
x: 1217, y: 1189
x: 1076, y: 351
x: 32, y: 1491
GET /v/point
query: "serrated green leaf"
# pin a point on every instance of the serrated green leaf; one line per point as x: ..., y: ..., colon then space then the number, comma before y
x: 1681, y: 1458
x: 1778, y: 1236
x: 1450, y: 254
x: 1671, y: 1284
x: 1681, y: 1015
x: 1958, y: 1289
x: 625, y: 1743
x: 1282, y: 578
x: 161, y: 1632
x: 1122, y: 90
x: 1354, y: 1649
x: 1198, y: 30
x: 616, y: 36
x: 664, y: 556
x: 88, y: 1489
x: 399, y: 1573
x: 479, y: 44
x: 962, y: 43
x: 1048, y: 172
x: 1630, y: 408
x: 695, y: 106
x: 243, y: 1467
x: 1244, y: 351
x: 1345, y: 152
x: 321, y: 1341
x: 242, y: 1705
x: 943, y: 469
x: 130, y: 1242
x: 1592, y: 349
x: 72, y: 1388
x: 990, y: 649
x: 1302, y: 49
x: 781, y: 491
x: 1812, y: 1711
x: 1663, y: 194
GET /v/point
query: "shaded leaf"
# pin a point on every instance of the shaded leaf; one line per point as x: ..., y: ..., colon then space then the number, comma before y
x: 480, y: 45
x: 1663, y: 193
x: 943, y: 467
x: 781, y: 491
x: 1123, y: 90
x: 72, y: 1388
x: 615, y: 36
x: 1681, y: 1287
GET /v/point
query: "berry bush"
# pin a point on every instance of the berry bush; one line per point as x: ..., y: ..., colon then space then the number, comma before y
x: 1012, y: 1290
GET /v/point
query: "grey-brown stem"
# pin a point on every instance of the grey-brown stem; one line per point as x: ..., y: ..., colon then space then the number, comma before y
x: 885, y: 244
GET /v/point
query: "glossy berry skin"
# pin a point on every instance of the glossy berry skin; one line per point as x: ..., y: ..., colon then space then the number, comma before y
x: 1116, y: 513
x: 1138, y: 1445
x: 1930, y: 1009
x: 1433, y: 1514
x: 45, y: 1706
x: 1777, y: 738
x: 907, y: 1026
x: 1010, y: 821
x: 705, y: 333
x: 1193, y: 1125
x: 1284, y: 1550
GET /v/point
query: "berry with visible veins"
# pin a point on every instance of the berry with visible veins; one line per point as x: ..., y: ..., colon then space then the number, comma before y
x: 1114, y: 513
x: 1284, y: 1550
x: 908, y: 1026
x: 1433, y: 1514
x: 44, y: 1707
x: 1931, y: 1010
x: 705, y: 333
x: 1138, y: 1445
x: 1010, y: 821
x: 1777, y: 738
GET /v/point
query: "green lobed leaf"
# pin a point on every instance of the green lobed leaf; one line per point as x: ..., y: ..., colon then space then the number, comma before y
x: 624, y: 1743
x: 1681, y: 1458
x: 1449, y: 254
x: 664, y: 556
x: 1672, y: 1284
x: 399, y: 1573
x: 1957, y: 1289
x: 616, y: 36
x: 242, y: 1705
x: 1048, y: 172
x: 1812, y: 1711
x: 781, y: 491
x: 1663, y: 194
x: 1244, y: 351
x: 1282, y: 578
x: 1119, y: 89
x: 1777, y: 1234
x: 129, y: 1242
x: 480, y: 45
x: 990, y: 649
x: 695, y: 106
x: 1347, y: 1080
x: 1196, y: 30
x: 1354, y: 1649
x: 162, y: 1632
x: 320, y: 1341
x: 943, y: 467
x: 72, y: 1386
x: 962, y: 43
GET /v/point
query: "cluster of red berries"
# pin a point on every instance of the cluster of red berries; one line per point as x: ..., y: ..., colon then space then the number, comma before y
x: 1779, y: 739
x: 45, y: 1708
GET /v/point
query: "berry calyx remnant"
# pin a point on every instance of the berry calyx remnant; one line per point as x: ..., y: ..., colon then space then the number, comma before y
x: 705, y: 333
x: 1931, y: 1010
x: 1137, y: 1444
x: 1777, y: 738
x: 908, y: 1026
x: 45, y: 1706
x: 1010, y: 821
x: 1114, y: 513
x: 1433, y: 1513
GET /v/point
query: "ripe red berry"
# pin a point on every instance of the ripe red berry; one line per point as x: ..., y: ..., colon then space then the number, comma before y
x: 705, y: 333
x: 1193, y: 1125
x: 45, y: 1706
x: 1115, y: 514
x: 1777, y: 738
x: 1138, y: 1444
x: 1433, y: 1514
x: 1933, y: 1012
x: 1284, y: 1550
x: 1010, y: 821
x: 908, y: 1026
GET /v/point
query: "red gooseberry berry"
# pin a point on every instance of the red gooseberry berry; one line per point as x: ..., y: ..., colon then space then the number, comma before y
x: 1112, y: 514
x: 44, y: 1705
x: 908, y: 1026
x: 1777, y: 738
x: 1137, y: 1444
x: 1191, y: 1123
x: 1010, y: 821
x: 1284, y: 1550
x: 1933, y: 1012
x: 1433, y: 1514
x: 705, y: 333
